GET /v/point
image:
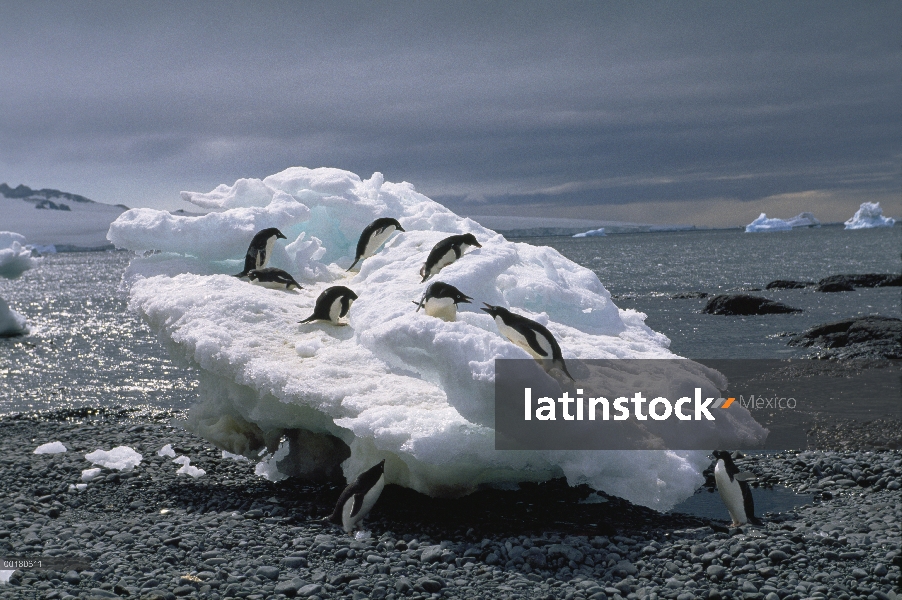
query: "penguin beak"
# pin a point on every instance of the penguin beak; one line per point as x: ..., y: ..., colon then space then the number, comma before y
x: 488, y: 308
x: 281, y: 236
x: 465, y: 300
x: 478, y: 245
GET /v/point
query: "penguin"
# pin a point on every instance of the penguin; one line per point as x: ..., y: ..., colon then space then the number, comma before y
x: 446, y: 252
x: 260, y: 250
x: 273, y: 278
x: 734, y: 489
x: 332, y: 304
x: 374, y: 235
x: 359, y: 497
x: 441, y: 300
x: 530, y: 336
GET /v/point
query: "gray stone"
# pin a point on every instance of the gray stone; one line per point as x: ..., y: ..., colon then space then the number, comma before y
x: 431, y: 554
x: 267, y: 572
x: 715, y: 571
x: 310, y: 590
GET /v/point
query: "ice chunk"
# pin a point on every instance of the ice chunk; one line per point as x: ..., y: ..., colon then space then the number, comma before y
x: 591, y: 233
x: 762, y: 223
x: 15, y: 258
x: 50, y: 448
x: 120, y: 458
x: 90, y: 474
x: 187, y: 469
x: 868, y: 216
x: 394, y: 383
x: 11, y: 322
x: 166, y: 451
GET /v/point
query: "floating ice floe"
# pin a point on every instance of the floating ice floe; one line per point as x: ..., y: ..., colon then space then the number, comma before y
x: 591, y: 233
x: 308, y: 399
x: 762, y: 223
x: 120, y: 458
x: 15, y: 258
x: 11, y: 322
x: 868, y: 216
x: 50, y: 448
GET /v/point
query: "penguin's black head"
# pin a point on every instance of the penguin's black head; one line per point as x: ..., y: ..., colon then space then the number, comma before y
x: 494, y: 311
x: 269, y: 232
x: 350, y: 294
x: 395, y: 223
x: 440, y: 289
x: 461, y: 298
x: 470, y: 239
x: 722, y: 455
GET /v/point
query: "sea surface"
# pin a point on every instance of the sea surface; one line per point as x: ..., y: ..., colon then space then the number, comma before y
x: 86, y: 349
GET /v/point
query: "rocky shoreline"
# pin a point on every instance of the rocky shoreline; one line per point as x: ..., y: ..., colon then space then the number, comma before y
x: 150, y: 533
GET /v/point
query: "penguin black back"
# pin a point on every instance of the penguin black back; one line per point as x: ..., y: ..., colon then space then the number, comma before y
x: 332, y: 304
x: 446, y: 252
x: 529, y: 335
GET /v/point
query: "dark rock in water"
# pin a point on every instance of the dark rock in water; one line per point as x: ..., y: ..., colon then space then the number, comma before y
x: 743, y: 304
x: 860, y: 337
x: 866, y: 280
x: 786, y: 284
x: 834, y: 286
x: 689, y: 295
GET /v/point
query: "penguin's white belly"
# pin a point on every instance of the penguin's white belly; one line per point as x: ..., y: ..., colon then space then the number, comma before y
x: 335, y: 310
x: 446, y: 259
x: 263, y: 260
x: 730, y: 493
x: 517, y: 339
x: 441, y: 308
x: 369, y: 500
x: 376, y: 241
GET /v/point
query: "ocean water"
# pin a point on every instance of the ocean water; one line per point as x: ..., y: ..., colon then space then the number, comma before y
x: 87, y: 349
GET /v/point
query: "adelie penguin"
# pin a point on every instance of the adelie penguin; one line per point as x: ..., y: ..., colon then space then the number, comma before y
x: 333, y: 304
x: 446, y: 252
x: 734, y: 489
x: 260, y: 250
x: 358, y: 498
x: 273, y: 278
x: 530, y: 336
x: 374, y: 235
x: 441, y: 300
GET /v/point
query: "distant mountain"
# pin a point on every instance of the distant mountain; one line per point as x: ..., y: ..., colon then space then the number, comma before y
x: 51, y: 217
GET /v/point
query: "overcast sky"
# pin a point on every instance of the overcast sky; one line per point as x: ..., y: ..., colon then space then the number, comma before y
x: 676, y: 112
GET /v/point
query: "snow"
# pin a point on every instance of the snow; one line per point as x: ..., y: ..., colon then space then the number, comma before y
x: 120, y: 458
x: 868, y: 216
x: 50, y: 448
x: 394, y: 383
x: 15, y: 258
x: 762, y: 223
x: 84, y: 226
x: 591, y: 233
x: 89, y: 474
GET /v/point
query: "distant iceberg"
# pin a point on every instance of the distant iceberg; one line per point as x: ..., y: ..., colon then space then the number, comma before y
x: 11, y: 322
x: 591, y: 233
x: 762, y: 223
x: 395, y: 384
x: 868, y: 216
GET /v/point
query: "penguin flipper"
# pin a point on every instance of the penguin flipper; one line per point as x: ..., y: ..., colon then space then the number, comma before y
x: 356, y: 260
x: 312, y: 317
x: 533, y: 342
x: 748, y: 503
x: 357, y: 504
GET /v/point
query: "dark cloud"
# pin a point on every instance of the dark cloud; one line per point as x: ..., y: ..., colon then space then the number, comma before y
x: 493, y: 103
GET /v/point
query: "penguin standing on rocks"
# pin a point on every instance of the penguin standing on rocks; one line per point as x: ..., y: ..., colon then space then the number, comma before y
x: 260, y: 250
x: 530, y: 336
x: 333, y: 304
x: 734, y: 489
x: 446, y: 252
x: 374, y: 235
x: 273, y: 278
x: 441, y: 300
x: 358, y: 498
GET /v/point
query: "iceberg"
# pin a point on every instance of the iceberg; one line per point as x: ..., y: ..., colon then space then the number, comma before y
x: 868, y: 216
x: 591, y: 233
x: 762, y: 223
x: 316, y: 400
x: 15, y: 257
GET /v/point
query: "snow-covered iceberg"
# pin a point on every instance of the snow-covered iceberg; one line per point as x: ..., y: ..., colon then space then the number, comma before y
x: 868, y: 216
x: 591, y: 233
x: 15, y: 258
x: 762, y: 223
x: 395, y: 383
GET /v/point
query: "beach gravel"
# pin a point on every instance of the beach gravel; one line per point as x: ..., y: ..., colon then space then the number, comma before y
x: 150, y: 533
